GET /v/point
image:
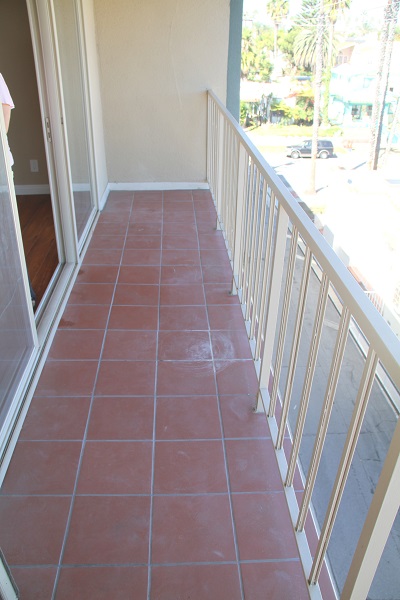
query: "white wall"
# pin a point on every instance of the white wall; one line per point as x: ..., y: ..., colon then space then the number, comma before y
x: 157, y: 59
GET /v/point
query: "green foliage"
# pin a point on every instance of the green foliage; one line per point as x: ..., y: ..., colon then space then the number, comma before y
x: 256, y: 45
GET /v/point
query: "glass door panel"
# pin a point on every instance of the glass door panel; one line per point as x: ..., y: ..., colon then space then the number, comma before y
x: 68, y: 37
x: 17, y: 341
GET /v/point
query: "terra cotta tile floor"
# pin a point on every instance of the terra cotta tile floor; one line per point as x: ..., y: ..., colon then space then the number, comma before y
x: 141, y: 471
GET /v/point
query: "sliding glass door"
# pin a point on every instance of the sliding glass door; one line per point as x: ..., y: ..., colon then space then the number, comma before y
x: 73, y: 76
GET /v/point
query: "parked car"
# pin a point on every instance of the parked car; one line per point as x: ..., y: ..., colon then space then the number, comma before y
x: 325, y: 149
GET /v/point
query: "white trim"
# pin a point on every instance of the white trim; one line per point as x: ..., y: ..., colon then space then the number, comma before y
x: 156, y: 185
x: 103, y: 199
x: 8, y: 588
x: 32, y: 190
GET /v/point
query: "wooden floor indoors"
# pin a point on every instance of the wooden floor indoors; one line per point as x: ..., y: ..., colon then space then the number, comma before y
x: 38, y: 235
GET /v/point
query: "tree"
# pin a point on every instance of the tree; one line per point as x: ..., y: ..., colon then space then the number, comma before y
x: 306, y: 41
x: 333, y: 9
x: 277, y: 10
x: 319, y: 65
x: 386, y: 44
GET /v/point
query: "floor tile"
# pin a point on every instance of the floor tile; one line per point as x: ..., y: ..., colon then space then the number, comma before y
x: 189, y: 417
x: 55, y: 419
x: 149, y: 228
x: 186, y: 230
x: 219, y: 293
x: 236, y: 377
x: 134, y: 317
x: 192, y: 529
x: 108, y: 530
x: 184, y: 345
x: 123, y: 344
x: 32, y: 528
x: 107, y: 241
x: 91, y: 293
x: 252, y: 466
x: 102, y: 583
x: 77, y: 344
x: 230, y: 344
x: 172, y: 240
x: 181, y: 275
x: 116, y: 468
x: 190, y: 294
x: 185, y: 378
x: 183, y: 317
x: 126, y: 293
x: 226, y: 317
x: 274, y: 580
x: 102, y: 256
x: 42, y: 468
x: 213, y: 274
x: 126, y: 378
x: 35, y: 583
x: 105, y: 228
x: 134, y: 256
x: 121, y: 419
x: 83, y: 316
x: 67, y: 378
x: 215, y: 257
x: 189, y: 468
x: 143, y: 241
x: 181, y: 257
x: 149, y: 275
x: 97, y: 274
x: 212, y: 241
x: 147, y: 196
x: 197, y: 582
x: 239, y: 419
x: 263, y: 527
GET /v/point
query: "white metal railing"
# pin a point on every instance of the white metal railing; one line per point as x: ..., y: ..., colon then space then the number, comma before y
x: 276, y: 254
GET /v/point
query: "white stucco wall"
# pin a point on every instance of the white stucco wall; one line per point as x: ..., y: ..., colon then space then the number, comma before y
x: 157, y: 58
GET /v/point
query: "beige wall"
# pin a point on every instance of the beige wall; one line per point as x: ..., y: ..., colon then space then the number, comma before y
x: 17, y: 66
x: 157, y: 58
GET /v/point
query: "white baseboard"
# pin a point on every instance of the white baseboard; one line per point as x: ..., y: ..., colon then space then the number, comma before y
x: 158, y: 186
x: 32, y: 190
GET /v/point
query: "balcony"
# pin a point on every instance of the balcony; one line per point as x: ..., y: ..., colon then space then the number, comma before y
x: 176, y: 439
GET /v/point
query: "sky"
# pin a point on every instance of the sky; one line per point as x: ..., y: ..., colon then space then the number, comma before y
x: 373, y: 8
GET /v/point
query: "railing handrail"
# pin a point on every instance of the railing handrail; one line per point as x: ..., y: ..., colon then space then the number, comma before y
x: 368, y: 318
x: 274, y: 248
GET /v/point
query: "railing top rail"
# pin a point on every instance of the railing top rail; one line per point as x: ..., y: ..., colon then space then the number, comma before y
x: 373, y: 325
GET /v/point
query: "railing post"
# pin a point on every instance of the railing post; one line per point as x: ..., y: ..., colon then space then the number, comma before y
x: 273, y: 301
x: 243, y: 167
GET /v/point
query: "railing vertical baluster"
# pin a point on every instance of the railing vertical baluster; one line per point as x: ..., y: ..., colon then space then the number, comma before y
x: 308, y: 380
x: 242, y: 183
x: 295, y: 346
x: 284, y: 319
x: 265, y: 275
x: 360, y: 407
x: 246, y: 241
x: 325, y: 415
x: 258, y: 267
x: 272, y: 305
x: 252, y: 249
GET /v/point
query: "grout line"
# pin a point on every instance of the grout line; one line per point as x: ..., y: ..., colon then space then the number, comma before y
x: 153, y: 459
x: 74, y: 493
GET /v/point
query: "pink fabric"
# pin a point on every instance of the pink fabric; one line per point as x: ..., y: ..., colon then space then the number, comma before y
x: 5, y: 95
x: 5, y: 98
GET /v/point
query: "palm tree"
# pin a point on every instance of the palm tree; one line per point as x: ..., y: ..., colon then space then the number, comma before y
x: 319, y: 66
x: 386, y: 44
x: 305, y: 43
x: 277, y: 10
x: 333, y: 9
